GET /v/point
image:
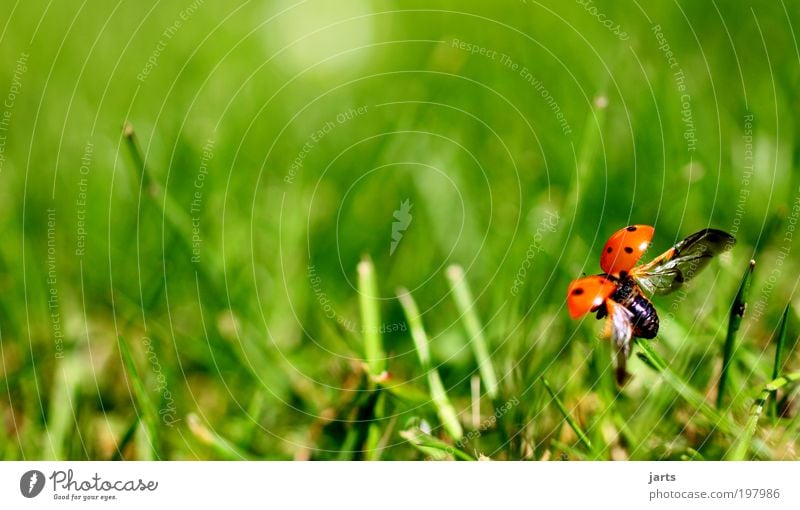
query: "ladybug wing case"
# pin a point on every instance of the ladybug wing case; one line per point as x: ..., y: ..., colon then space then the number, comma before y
x: 624, y: 248
x: 588, y: 294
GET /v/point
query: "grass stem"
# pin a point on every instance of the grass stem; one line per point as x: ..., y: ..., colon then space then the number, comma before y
x: 442, y: 403
x: 567, y: 416
x: 690, y: 395
x: 735, y: 320
x: 742, y: 445
x: 370, y: 318
x: 466, y: 307
x: 224, y: 448
x: 144, y: 405
x: 777, y: 365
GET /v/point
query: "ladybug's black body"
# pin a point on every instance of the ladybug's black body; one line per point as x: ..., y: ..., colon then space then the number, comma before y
x: 645, y: 318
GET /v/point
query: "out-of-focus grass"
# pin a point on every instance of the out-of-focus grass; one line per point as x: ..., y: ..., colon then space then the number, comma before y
x: 473, y: 328
x: 564, y: 411
x: 145, y: 408
x: 234, y: 275
x: 739, y: 450
x: 444, y: 408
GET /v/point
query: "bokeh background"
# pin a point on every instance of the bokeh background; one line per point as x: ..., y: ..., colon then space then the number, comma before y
x: 208, y: 209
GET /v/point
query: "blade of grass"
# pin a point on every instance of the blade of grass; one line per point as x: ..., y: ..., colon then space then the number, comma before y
x: 254, y: 411
x: 443, y: 406
x: 418, y: 333
x: 361, y: 417
x: 373, y: 350
x: 735, y: 320
x: 63, y: 406
x: 144, y: 405
x: 224, y: 448
x: 444, y: 446
x: 347, y: 450
x: 387, y: 434
x: 622, y: 424
x: 568, y: 450
x: 742, y: 445
x: 126, y: 439
x: 136, y: 153
x: 692, y: 454
x: 438, y: 394
x: 405, y: 391
x: 143, y: 444
x: 174, y: 215
x: 372, y: 449
x: 432, y: 447
x: 693, y: 397
x: 567, y: 416
x: 465, y: 304
x: 776, y: 367
x: 370, y: 317
x: 649, y: 356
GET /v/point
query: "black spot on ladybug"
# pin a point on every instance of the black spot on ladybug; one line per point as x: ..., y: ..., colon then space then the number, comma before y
x: 623, y: 275
x: 577, y: 292
x: 631, y: 229
x: 609, y: 249
x: 628, y: 249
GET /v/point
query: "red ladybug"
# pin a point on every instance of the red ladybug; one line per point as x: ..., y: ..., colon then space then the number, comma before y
x: 619, y: 293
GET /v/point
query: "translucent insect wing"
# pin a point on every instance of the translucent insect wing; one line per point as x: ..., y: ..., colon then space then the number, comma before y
x: 620, y: 330
x: 682, y: 262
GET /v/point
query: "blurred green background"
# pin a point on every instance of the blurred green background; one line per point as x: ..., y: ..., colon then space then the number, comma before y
x: 187, y: 189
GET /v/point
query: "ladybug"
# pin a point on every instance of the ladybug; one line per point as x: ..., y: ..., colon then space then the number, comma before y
x: 621, y: 292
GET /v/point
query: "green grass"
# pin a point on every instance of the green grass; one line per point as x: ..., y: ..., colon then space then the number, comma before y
x: 144, y: 405
x: 224, y: 449
x: 473, y: 328
x: 370, y: 315
x: 777, y: 366
x: 741, y: 447
x: 235, y: 214
x: 567, y: 416
x: 734, y: 323
x: 447, y: 414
